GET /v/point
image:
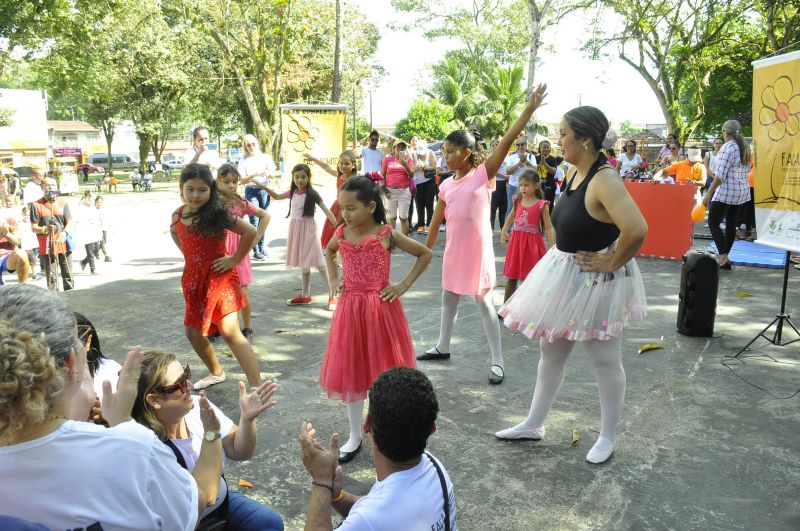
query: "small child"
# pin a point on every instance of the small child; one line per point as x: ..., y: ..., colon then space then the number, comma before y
x: 369, y: 332
x: 529, y: 215
x: 29, y: 244
x: 105, y: 228
x: 228, y: 181
x: 468, y: 267
x: 210, y: 283
x: 90, y: 230
x: 303, y: 248
x: 345, y: 169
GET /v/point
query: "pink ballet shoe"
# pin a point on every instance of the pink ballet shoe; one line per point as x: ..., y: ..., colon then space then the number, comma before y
x: 521, y: 432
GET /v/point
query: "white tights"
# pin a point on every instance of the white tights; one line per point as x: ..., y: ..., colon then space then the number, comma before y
x: 355, y: 411
x: 307, y: 281
x: 606, y: 356
x: 491, y: 326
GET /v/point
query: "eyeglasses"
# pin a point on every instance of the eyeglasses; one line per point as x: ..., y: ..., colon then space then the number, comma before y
x: 249, y: 145
x: 521, y: 145
x: 180, y: 384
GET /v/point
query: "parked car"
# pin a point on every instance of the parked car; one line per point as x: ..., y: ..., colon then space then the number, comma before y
x: 92, y: 168
x: 121, y: 161
x: 436, y: 147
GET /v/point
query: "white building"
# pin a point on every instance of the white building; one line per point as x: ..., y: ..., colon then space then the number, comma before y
x: 25, y: 142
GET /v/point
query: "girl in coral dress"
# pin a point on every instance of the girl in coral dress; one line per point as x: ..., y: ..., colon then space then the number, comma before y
x: 228, y: 181
x: 345, y: 169
x: 468, y: 267
x: 211, y: 288
x: 369, y: 332
x: 529, y: 215
x: 303, y: 250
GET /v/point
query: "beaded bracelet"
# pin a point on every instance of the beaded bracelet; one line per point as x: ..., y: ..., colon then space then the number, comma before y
x: 320, y: 484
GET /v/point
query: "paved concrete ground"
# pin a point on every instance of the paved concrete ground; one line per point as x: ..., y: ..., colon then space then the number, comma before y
x: 698, y: 447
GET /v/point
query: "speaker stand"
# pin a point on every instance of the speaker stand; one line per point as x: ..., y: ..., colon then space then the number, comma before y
x: 781, y: 319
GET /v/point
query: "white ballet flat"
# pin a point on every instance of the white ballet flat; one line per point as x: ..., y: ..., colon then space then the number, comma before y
x: 596, y: 456
x: 517, y: 433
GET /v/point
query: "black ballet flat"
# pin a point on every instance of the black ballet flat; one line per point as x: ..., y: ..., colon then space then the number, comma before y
x: 346, y: 457
x: 496, y: 379
x: 428, y: 356
x: 727, y: 266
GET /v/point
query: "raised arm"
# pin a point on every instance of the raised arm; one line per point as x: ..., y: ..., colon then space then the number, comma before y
x: 324, y: 165
x: 494, y: 162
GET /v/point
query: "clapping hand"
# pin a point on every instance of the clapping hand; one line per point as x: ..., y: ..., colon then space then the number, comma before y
x: 320, y: 463
x: 253, y: 404
x: 117, y: 405
x: 207, y: 414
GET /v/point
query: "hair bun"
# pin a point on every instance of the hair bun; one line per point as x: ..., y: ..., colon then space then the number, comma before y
x: 610, y: 139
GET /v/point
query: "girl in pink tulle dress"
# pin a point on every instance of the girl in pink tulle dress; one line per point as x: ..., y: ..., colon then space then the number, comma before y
x: 227, y: 182
x: 303, y: 250
x: 369, y: 332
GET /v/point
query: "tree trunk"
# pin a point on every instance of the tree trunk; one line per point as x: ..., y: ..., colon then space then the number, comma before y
x: 108, y: 133
x: 145, y: 140
x: 336, y: 94
x: 280, y: 53
x: 536, y: 14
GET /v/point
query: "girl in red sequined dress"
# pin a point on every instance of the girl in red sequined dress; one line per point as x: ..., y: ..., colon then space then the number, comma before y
x: 210, y: 283
x: 369, y: 332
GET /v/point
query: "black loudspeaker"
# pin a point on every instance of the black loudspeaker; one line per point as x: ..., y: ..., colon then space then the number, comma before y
x: 697, y: 304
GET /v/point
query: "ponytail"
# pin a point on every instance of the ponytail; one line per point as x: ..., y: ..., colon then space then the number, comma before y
x: 734, y: 130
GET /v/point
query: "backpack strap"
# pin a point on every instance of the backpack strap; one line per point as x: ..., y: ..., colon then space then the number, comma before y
x: 445, y: 494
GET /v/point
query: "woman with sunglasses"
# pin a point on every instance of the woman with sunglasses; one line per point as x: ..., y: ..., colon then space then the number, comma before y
x: 165, y: 404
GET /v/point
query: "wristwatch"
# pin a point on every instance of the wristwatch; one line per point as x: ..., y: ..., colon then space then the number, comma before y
x: 211, y: 436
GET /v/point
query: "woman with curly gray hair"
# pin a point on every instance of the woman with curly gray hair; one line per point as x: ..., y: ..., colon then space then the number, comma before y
x: 44, y: 384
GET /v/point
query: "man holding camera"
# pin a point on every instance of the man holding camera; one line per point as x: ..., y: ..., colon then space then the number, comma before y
x: 52, y: 222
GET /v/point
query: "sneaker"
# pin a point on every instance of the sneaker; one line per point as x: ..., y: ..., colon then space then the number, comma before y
x: 213, y: 337
x: 258, y: 256
x: 248, y: 334
x: 442, y: 228
x: 420, y: 230
x: 108, y: 259
x: 299, y: 300
x: 332, y: 304
x: 425, y: 231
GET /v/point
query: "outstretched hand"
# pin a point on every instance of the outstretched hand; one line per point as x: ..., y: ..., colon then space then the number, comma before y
x: 537, y: 96
x: 251, y: 405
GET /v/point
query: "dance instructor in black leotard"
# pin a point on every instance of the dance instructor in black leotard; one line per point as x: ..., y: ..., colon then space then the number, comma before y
x: 588, y: 286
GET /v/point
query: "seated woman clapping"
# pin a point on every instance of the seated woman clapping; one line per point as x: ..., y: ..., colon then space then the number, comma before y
x: 191, y: 426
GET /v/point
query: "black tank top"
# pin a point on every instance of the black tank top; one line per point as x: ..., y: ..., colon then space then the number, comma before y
x: 575, y: 229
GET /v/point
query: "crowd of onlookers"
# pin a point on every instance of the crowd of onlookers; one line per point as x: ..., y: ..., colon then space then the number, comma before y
x: 86, y: 443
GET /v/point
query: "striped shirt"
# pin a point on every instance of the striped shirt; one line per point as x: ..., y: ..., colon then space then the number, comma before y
x: 734, y: 188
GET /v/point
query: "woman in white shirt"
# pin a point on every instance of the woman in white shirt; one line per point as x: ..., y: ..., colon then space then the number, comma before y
x: 629, y: 161
x: 256, y: 168
x: 710, y: 161
x: 165, y: 404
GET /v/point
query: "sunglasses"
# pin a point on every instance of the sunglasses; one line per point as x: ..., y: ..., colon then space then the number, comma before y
x: 180, y: 384
x: 521, y: 145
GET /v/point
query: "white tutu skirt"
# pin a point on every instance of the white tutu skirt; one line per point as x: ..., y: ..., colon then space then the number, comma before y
x: 558, y: 300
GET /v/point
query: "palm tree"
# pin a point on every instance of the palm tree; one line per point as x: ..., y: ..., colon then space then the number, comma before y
x: 501, y: 97
x: 454, y: 88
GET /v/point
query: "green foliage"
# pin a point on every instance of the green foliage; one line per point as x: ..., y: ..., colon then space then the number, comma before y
x: 26, y: 26
x: 501, y: 97
x: 362, y: 129
x: 627, y: 130
x: 675, y: 46
x: 428, y: 119
x: 6, y: 117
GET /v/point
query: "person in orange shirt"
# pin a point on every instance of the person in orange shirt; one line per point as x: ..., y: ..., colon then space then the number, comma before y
x: 685, y: 171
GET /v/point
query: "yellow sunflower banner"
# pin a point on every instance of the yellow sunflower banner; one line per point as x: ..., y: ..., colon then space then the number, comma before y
x: 776, y: 137
x: 315, y: 129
